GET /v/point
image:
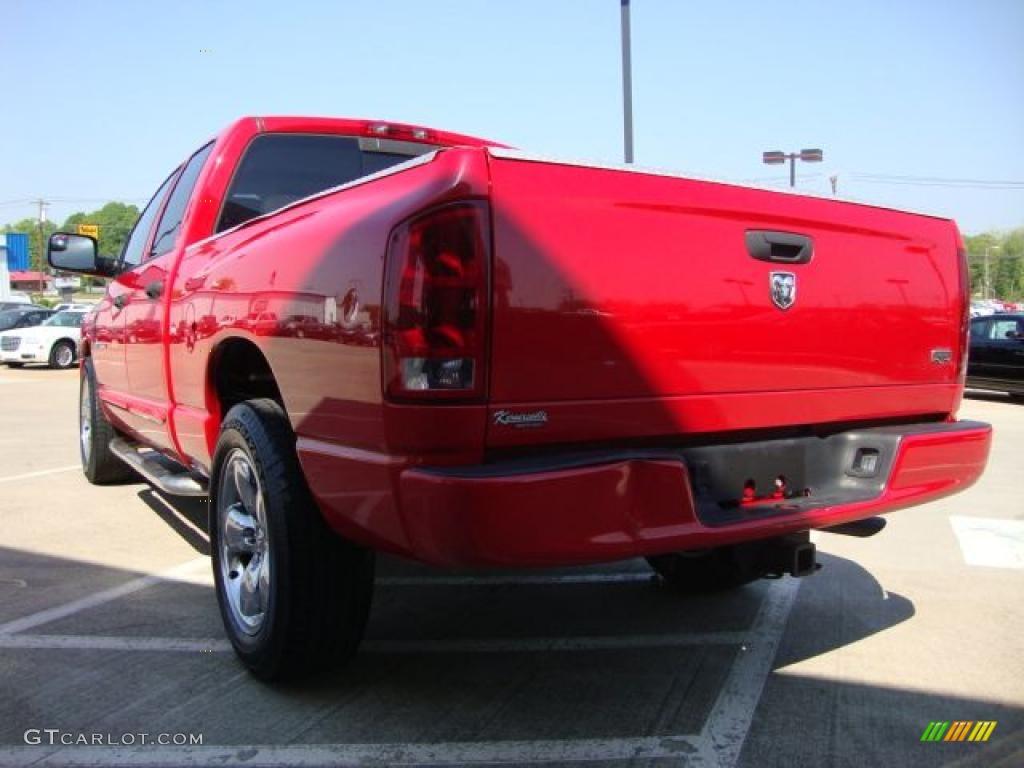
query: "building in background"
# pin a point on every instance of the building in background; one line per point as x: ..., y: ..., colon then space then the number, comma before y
x: 14, y: 266
x: 5, y: 283
x: 31, y: 282
x: 16, y: 245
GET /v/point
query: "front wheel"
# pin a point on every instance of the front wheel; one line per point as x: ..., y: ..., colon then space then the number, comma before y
x: 99, y: 464
x: 62, y: 355
x: 294, y: 597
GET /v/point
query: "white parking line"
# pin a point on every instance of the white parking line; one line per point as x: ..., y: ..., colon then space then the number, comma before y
x: 180, y: 572
x: 575, y: 643
x: 470, y: 645
x: 197, y: 572
x: 990, y: 542
x: 726, y: 728
x: 113, y: 643
x: 444, y: 753
x: 40, y: 473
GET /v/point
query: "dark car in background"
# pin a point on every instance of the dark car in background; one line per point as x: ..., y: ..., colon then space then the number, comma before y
x: 14, y: 304
x: 24, y: 316
x: 996, y: 358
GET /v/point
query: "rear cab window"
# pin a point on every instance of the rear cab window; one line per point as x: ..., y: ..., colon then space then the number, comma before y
x: 279, y: 168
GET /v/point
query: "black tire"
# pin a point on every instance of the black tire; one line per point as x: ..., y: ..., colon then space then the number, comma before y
x: 99, y: 465
x: 709, y: 570
x: 62, y: 355
x: 15, y: 365
x: 314, y: 605
x: 1017, y: 397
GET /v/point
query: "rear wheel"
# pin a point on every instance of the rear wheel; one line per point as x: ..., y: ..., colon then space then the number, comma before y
x: 15, y: 365
x: 95, y: 433
x: 708, y: 570
x: 62, y: 355
x: 294, y: 597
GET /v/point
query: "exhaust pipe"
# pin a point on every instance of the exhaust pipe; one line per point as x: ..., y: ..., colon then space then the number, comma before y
x: 869, y: 526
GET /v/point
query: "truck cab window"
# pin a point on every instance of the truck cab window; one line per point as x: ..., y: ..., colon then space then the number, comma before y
x: 280, y: 168
x: 131, y: 255
x: 170, y: 223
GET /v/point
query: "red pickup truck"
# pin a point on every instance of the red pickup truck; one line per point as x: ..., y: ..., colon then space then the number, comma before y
x: 361, y: 336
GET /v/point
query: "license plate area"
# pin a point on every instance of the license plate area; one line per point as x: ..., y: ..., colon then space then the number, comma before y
x: 744, y: 481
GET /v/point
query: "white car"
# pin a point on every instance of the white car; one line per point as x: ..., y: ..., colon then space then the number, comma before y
x: 55, y: 342
x: 76, y: 307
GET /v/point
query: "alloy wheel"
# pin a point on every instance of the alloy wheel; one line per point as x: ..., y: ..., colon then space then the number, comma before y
x: 245, y: 561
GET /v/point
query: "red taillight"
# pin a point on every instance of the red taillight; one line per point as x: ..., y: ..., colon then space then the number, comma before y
x: 435, y: 305
x: 398, y: 131
x: 965, y: 312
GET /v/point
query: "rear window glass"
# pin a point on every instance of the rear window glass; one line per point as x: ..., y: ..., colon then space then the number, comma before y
x: 278, y: 169
x: 66, y: 319
x: 1003, y: 329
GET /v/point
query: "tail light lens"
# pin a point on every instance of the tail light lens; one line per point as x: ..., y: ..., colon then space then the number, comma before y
x: 399, y: 131
x: 965, y: 313
x: 435, y: 305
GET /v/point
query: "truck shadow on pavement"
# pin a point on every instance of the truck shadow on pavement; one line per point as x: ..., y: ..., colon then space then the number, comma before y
x: 991, y: 397
x: 603, y: 652
x: 187, y: 517
x: 805, y: 721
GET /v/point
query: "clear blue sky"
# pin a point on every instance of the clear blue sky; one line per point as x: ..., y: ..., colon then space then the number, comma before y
x: 102, y: 99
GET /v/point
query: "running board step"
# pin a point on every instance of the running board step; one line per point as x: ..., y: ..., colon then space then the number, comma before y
x: 154, y: 467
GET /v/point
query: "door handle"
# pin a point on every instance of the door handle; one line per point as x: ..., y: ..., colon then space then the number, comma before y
x: 155, y: 289
x: 195, y: 283
x: 120, y: 300
x: 780, y: 247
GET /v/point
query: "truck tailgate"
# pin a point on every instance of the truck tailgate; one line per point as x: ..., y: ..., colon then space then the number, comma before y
x: 626, y: 289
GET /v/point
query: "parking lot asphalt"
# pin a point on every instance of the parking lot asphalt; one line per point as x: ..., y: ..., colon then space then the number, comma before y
x: 109, y: 629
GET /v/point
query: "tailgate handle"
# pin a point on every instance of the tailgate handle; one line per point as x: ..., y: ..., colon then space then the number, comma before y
x: 782, y: 247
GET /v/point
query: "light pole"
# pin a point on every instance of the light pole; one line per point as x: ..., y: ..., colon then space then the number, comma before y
x: 627, y: 85
x: 804, y: 155
x: 42, y: 238
x: 988, y: 282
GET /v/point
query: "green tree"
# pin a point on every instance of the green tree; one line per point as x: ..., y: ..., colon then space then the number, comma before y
x: 115, y: 221
x: 1005, y: 252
